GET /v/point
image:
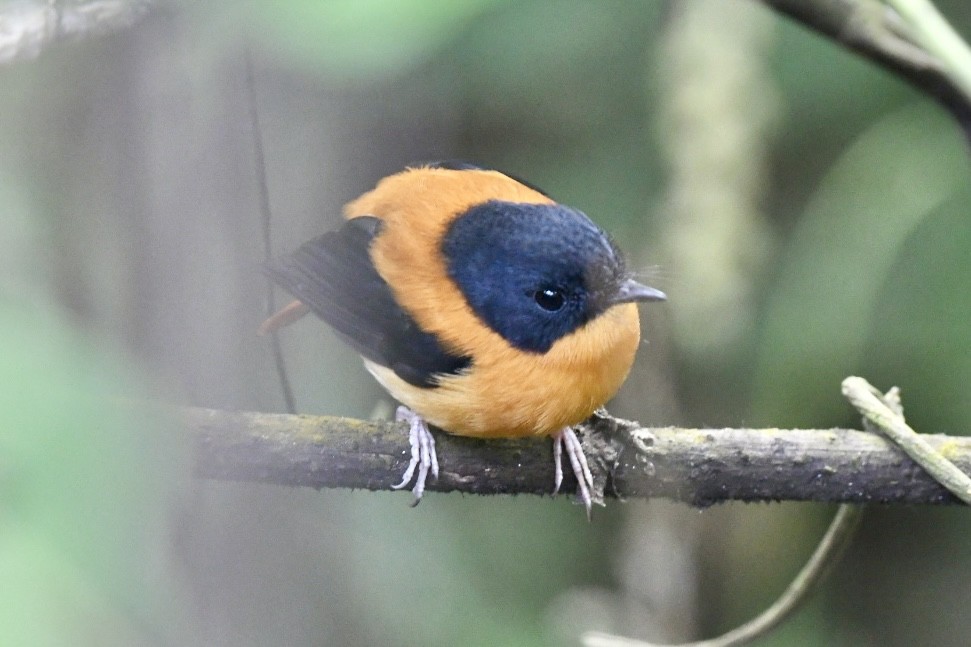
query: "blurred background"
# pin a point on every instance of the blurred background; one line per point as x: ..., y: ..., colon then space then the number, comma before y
x: 806, y: 213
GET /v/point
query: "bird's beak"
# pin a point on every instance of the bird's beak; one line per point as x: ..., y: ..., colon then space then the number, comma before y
x: 631, y: 291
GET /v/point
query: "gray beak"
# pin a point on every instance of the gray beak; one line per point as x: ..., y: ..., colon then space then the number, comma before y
x: 631, y: 291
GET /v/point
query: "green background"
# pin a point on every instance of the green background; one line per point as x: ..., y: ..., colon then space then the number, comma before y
x: 807, y: 214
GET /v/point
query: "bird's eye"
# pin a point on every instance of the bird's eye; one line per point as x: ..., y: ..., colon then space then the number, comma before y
x: 549, y: 299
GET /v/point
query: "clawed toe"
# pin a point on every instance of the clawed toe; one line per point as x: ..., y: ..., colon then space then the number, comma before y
x: 567, y: 439
x: 423, y: 456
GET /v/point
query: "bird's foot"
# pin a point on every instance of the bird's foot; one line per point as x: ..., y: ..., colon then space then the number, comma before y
x: 423, y: 456
x: 567, y: 439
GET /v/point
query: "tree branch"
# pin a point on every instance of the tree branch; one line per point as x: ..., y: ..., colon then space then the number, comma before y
x: 875, y: 32
x: 697, y: 466
x: 28, y: 27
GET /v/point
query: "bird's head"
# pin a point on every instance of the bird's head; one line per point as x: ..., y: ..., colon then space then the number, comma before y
x: 537, y: 272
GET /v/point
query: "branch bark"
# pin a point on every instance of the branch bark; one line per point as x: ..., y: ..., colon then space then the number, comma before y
x: 697, y: 466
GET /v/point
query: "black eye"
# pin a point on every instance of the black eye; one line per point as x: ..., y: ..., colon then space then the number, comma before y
x: 549, y: 299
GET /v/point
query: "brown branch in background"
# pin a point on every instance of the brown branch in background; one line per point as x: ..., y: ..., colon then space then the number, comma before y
x: 697, y: 466
x: 872, y: 30
x: 28, y: 27
x: 867, y: 27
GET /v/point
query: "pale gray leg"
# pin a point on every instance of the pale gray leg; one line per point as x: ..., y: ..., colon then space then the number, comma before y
x: 423, y: 456
x: 567, y: 439
x: 557, y: 463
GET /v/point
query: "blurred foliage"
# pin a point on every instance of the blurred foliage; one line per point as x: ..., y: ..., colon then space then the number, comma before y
x: 86, y: 485
x: 362, y: 40
x: 715, y: 236
x: 826, y: 202
x: 819, y: 316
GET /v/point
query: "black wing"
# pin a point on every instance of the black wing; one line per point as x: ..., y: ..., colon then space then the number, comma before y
x: 333, y: 276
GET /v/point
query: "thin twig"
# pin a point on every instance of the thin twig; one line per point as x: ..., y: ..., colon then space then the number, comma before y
x: 259, y: 161
x: 869, y: 401
x: 827, y: 553
x: 936, y: 36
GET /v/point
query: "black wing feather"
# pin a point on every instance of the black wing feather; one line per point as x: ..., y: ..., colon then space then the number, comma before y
x: 334, y: 276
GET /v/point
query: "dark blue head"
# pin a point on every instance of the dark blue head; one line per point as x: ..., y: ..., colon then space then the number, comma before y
x: 536, y: 272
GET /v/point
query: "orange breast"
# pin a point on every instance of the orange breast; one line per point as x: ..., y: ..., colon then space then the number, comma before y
x: 509, y: 393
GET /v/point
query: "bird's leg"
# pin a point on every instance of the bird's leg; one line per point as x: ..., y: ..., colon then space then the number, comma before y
x: 567, y: 439
x: 423, y: 454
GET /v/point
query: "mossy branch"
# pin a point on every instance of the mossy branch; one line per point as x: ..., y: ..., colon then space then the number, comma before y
x: 697, y: 466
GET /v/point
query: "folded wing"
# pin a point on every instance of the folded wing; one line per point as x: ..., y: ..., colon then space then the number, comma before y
x: 334, y: 276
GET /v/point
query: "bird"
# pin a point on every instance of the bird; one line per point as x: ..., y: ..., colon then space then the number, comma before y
x: 482, y: 305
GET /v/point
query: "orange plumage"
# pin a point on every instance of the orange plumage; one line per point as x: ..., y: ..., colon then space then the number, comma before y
x: 522, y: 306
x: 509, y: 393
